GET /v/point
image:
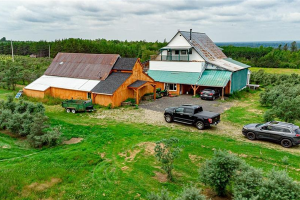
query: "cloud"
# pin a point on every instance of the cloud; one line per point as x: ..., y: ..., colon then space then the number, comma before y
x: 146, y: 19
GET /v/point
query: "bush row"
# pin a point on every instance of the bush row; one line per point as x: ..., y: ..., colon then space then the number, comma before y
x: 281, y: 94
x: 28, y: 119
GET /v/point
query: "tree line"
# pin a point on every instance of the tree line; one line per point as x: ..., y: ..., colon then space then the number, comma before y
x: 268, y: 57
x: 131, y: 49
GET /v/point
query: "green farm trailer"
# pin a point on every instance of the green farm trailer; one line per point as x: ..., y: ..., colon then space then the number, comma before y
x: 77, y: 105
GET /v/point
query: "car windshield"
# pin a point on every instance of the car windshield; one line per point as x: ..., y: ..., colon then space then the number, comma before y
x: 258, y: 125
x: 297, y: 131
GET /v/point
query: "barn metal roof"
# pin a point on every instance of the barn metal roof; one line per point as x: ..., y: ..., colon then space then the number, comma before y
x: 111, y: 84
x: 44, y: 82
x: 228, y: 65
x: 204, y: 45
x: 190, y: 78
x: 125, y: 63
x: 213, y: 78
x: 237, y: 62
x: 82, y: 66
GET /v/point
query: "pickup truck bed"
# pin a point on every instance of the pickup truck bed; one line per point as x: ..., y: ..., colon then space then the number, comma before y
x: 192, y: 114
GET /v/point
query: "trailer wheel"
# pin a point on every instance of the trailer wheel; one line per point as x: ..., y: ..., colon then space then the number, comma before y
x: 68, y: 110
x: 73, y: 111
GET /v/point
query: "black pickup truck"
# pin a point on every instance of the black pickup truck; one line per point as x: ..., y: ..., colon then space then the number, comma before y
x: 191, y: 114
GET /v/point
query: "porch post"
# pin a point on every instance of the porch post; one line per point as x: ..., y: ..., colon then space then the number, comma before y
x: 137, y: 97
x: 222, y: 94
x: 154, y: 92
x: 160, y: 55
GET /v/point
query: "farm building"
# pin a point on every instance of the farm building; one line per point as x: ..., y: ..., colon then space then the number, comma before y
x: 104, y: 78
x: 192, y: 62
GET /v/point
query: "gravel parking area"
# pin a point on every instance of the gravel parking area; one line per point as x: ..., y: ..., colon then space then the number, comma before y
x: 162, y: 103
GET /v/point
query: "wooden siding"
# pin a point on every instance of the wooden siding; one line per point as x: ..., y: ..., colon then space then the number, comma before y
x: 123, y: 92
x: 68, y: 94
x: 35, y: 93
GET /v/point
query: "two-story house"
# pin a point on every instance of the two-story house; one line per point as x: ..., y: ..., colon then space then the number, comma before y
x: 192, y: 62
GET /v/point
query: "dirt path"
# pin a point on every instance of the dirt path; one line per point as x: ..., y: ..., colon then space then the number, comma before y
x: 130, y: 115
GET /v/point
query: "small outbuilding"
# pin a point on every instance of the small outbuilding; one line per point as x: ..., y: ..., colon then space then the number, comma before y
x: 107, y: 79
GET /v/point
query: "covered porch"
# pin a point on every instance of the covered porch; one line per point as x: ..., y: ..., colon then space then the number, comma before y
x: 139, y: 85
x: 180, y: 53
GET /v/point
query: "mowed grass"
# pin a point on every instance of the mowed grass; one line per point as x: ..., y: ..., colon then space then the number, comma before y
x: 115, y: 160
x: 276, y: 70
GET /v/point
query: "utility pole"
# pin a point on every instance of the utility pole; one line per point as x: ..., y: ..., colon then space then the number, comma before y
x: 49, y: 50
x: 12, y: 51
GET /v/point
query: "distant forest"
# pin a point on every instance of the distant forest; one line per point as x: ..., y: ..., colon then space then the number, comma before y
x: 285, y: 55
x: 132, y: 49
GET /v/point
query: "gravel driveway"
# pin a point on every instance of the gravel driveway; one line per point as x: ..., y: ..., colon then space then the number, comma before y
x: 164, y: 102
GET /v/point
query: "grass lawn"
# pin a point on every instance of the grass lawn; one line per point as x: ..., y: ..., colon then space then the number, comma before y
x: 277, y: 70
x: 115, y: 160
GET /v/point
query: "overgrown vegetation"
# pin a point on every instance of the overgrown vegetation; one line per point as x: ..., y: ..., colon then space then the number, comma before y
x: 226, y: 170
x: 268, y: 57
x: 28, y: 119
x: 281, y: 94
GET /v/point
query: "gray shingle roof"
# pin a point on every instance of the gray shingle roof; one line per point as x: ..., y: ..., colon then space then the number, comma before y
x: 137, y: 84
x: 111, y: 83
x: 125, y: 63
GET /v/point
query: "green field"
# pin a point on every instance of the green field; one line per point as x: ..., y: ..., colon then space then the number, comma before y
x: 277, y: 70
x: 115, y: 159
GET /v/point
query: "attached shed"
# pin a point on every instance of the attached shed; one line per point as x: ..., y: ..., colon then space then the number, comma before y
x: 104, y: 78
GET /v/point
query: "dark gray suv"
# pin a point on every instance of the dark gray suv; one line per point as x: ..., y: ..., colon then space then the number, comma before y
x: 284, y: 133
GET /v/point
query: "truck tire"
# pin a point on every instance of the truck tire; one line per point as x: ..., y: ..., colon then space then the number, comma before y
x: 286, y: 143
x: 73, y: 111
x: 168, y: 118
x: 68, y: 110
x: 199, y: 125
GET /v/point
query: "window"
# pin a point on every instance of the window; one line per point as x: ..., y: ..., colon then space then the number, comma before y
x: 183, y: 52
x: 190, y: 51
x: 189, y: 110
x: 285, y: 130
x: 179, y: 110
x: 172, y: 87
x: 176, y: 52
x: 89, y: 96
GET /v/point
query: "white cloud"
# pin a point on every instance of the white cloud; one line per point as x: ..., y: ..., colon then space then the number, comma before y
x: 225, y: 20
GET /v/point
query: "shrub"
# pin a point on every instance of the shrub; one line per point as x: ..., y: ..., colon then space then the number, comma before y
x: 246, y: 183
x: 5, y: 115
x: 279, y: 186
x: 164, y: 195
x: 218, y: 171
x: 285, y: 160
x: 167, y: 151
x: 39, y: 136
x: 132, y: 100
x: 191, y: 193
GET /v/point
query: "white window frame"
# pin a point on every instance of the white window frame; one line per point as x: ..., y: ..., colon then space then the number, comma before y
x: 168, y: 84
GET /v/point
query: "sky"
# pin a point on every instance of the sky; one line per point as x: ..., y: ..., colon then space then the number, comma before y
x: 150, y: 20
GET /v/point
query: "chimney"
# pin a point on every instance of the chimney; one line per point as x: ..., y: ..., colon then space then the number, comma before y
x: 190, y: 34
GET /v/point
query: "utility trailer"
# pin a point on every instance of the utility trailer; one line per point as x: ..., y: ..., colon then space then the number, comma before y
x: 78, y: 105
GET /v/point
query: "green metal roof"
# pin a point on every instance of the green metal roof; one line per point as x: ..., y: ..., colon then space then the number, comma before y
x: 213, y: 78
x: 237, y: 62
x: 174, y: 77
